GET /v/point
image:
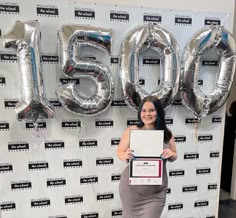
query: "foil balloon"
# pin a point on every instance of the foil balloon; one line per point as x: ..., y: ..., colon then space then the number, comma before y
x: 149, y: 36
x: 219, y: 39
x: 24, y: 37
x: 73, y: 65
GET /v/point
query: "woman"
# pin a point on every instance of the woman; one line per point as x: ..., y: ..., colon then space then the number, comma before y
x: 146, y: 201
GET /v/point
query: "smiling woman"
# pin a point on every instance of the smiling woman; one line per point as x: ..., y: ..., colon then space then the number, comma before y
x: 149, y: 115
x: 144, y: 201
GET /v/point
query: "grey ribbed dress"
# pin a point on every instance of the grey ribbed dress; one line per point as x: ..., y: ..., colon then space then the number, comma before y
x: 142, y: 201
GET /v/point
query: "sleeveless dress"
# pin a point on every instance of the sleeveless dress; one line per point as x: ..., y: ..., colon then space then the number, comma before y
x: 142, y: 201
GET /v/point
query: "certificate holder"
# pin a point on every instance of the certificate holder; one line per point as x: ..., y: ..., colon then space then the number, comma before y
x: 147, y: 167
x: 145, y: 171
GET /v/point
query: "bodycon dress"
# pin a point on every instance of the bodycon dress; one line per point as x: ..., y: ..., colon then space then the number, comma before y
x: 142, y: 201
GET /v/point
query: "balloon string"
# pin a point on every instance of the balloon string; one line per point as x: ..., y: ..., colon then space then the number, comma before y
x: 82, y: 126
x: 35, y: 126
x: 196, y: 129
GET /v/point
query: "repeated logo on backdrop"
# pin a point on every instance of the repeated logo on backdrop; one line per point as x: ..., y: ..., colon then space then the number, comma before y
x: 119, y: 16
x: 47, y: 10
x: 183, y: 20
x: 9, y: 8
x: 84, y: 13
x: 152, y: 17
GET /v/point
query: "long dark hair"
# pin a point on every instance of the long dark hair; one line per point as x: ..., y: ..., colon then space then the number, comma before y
x: 160, y: 122
x: 232, y: 109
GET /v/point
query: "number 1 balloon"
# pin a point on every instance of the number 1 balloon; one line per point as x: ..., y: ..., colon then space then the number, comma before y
x: 219, y: 39
x: 25, y: 38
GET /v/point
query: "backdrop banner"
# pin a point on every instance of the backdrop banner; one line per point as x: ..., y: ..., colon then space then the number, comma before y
x: 66, y: 166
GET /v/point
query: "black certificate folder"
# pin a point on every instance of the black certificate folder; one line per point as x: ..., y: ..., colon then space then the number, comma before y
x: 145, y: 171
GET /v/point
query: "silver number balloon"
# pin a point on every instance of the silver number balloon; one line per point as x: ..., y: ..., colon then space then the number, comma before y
x: 213, y: 37
x: 25, y: 38
x: 164, y: 43
x: 73, y: 65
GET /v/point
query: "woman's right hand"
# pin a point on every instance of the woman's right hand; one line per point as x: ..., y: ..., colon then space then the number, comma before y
x: 128, y: 154
x: 124, y: 152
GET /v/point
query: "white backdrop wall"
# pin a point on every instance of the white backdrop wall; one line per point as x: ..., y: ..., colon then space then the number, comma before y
x: 201, y: 5
x: 68, y: 166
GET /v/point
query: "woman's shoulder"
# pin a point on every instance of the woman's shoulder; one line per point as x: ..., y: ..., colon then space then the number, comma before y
x: 126, y: 133
x: 131, y: 128
x: 169, y: 130
x: 134, y: 127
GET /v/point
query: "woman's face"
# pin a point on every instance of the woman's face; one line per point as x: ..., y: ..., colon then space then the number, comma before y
x: 148, y: 114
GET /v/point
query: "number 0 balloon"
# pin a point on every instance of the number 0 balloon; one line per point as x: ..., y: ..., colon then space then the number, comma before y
x: 163, y: 42
x: 214, y: 37
x: 25, y: 38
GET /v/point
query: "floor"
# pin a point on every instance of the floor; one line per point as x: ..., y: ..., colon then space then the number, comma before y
x: 227, y: 206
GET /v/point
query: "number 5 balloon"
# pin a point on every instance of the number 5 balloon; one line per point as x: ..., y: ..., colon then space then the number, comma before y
x: 25, y: 38
x: 74, y: 65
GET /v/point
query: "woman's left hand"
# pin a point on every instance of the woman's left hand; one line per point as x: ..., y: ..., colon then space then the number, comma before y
x: 170, y: 153
x: 167, y: 153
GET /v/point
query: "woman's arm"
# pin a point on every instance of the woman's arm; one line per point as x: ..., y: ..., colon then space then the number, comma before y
x: 124, y: 153
x: 170, y: 153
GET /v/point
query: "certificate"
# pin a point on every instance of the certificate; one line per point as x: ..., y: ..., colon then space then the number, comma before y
x: 145, y: 171
x: 147, y: 167
x: 147, y: 143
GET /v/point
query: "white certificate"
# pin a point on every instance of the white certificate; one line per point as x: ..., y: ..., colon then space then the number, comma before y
x: 148, y: 143
x: 145, y: 171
